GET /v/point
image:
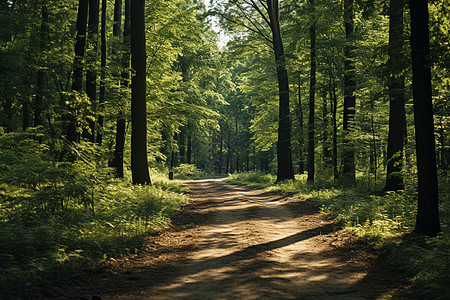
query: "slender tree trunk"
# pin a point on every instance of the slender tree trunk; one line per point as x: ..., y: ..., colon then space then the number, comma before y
x: 26, y: 114
x: 182, y: 144
x: 121, y: 121
x: 43, y: 44
x: 349, y: 95
x: 301, y: 140
x: 221, y: 152
x: 284, y: 155
x: 312, y: 95
x: 428, y: 211
x: 397, y: 115
x: 77, y: 79
x: 139, y: 160
x: 335, y: 155
x: 189, y: 148
x: 373, y: 154
x: 325, y: 132
x: 228, y: 156
x: 101, y: 96
x: 91, y: 73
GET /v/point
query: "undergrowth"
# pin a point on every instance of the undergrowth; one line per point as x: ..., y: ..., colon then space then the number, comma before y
x: 385, y: 220
x: 57, y: 217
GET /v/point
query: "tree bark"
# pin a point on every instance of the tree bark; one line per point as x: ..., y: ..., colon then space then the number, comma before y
x: 189, y: 147
x: 121, y: 121
x: 349, y: 95
x: 428, y: 211
x: 91, y: 73
x: 139, y: 160
x: 77, y: 80
x: 301, y: 139
x: 43, y: 44
x: 26, y: 114
x: 312, y: 94
x: 396, y: 81
x: 284, y: 155
x: 101, y: 95
x: 335, y: 153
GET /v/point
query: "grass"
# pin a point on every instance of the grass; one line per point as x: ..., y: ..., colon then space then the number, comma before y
x: 386, y: 221
x: 37, y: 244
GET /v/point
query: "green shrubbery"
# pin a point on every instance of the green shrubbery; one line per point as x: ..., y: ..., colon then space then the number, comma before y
x: 384, y: 220
x: 187, y: 171
x: 59, y: 215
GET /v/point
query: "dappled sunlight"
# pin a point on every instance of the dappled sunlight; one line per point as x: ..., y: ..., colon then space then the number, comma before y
x: 238, y: 243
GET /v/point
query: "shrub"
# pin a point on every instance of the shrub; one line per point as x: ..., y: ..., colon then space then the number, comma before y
x: 187, y: 171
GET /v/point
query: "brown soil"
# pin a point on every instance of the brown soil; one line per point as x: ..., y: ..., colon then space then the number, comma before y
x: 235, y: 242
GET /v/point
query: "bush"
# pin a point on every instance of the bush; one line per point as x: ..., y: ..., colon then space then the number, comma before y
x: 187, y: 171
x: 252, y: 178
x: 56, y: 216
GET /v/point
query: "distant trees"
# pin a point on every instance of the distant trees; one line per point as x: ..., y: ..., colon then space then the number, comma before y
x: 262, y: 18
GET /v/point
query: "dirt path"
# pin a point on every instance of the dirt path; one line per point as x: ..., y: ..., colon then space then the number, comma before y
x: 235, y: 242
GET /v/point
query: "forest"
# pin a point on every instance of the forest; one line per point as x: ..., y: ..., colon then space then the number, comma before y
x: 343, y: 103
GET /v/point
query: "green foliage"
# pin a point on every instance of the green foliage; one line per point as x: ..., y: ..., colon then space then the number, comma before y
x: 255, y: 179
x: 57, y: 216
x: 187, y: 171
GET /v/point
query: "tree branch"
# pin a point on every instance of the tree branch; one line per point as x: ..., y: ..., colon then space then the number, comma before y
x: 255, y: 6
x: 256, y: 29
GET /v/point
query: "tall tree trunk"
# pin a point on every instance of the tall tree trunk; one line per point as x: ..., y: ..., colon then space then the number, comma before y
x: 335, y: 156
x: 427, y: 212
x: 221, y: 152
x: 43, y: 45
x: 182, y: 144
x: 397, y: 115
x: 312, y: 95
x: 121, y: 121
x: 301, y: 139
x: 189, y: 147
x: 139, y: 160
x: 349, y: 95
x: 101, y: 95
x: 284, y: 155
x: 91, y: 58
x: 26, y: 114
x: 77, y: 79
x: 325, y: 132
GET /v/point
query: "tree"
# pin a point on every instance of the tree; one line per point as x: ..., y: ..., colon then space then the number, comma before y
x: 102, y: 91
x: 78, y: 66
x: 43, y: 45
x: 91, y: 72
x: 284, y: 155
x: 312, y: 93
x: 121, y: 121
x: 396, y: 82
x: 428, y: 205
x: 269, y: 14
x: 139, y: 160
x: 349, y: 94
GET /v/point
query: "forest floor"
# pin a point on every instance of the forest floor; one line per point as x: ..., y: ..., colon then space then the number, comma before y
x: 236, y: 242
